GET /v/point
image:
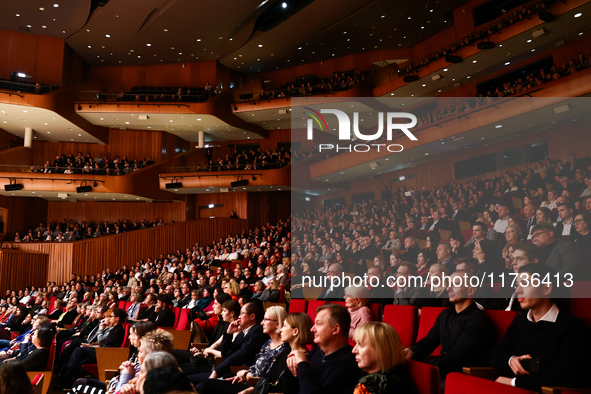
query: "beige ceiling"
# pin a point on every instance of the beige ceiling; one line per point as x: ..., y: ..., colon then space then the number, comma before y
x: 47, y: 125
x: 185, y: 126
x: 72, y: 196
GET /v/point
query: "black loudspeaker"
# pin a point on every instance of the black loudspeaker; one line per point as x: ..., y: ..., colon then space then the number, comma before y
x: 83, y: 189
x: 485, y: 45
x: 242, y: 182
x: 245, y: 96
x: 174, y: 185
x: 13, y: 187
x: 546, y: 16
x: 453, y: 59
x: 101, y: 97
x: 411, y: 78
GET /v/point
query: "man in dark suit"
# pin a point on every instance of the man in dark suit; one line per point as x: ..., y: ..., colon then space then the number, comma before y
x: 410, y: 293
x: 162, y: 315
x: 439, y: 223
x: 566, y: 227
x: 445, y: 256
x: 244, y: 348
x: 330, y: 293
x: 186, y: 294
x: 459, y: 214
x: 563, y: 257
x: 36, y: 360
x: 529, y: 218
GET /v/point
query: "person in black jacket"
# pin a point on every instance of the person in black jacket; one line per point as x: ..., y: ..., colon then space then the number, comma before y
x: 546, y: 346
x: 162, y: 314
x: 330, y: 367
x: 37, y: 359
x: 464, y: 332
x: 243, y: 349
x: 113, y: 335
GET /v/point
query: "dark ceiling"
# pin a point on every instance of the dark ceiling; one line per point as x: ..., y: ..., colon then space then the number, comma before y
x: 143, y: 32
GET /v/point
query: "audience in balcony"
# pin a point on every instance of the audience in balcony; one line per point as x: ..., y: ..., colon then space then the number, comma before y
x: 250, y: 161
x: 526, y: 12
x: 101, y: 165
x: 70, y: 230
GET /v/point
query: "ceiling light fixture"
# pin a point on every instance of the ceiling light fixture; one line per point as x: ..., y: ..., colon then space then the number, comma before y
x: 284, y: 5
x: 578, y: 14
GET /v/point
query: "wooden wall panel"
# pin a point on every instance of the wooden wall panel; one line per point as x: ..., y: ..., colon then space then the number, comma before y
x: 135, y: 144
x: 22, y: 214
x: 93, y: 211
x: 39, y: 56
x: 123, y: 78
x: 16, y: 159
x: 20, y: 269
x: 7, y: 138
x: 233, y: 201
x: 268, y: 207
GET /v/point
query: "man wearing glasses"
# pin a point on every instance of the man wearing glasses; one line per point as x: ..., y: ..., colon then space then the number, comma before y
x: 564, y: 257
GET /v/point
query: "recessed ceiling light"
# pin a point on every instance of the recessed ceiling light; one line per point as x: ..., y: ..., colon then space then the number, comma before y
x: 165, y: 29
x: 578, y: 14
x: 43, y: 26
x: 424, y: 84
x: 108, y: 35
x: 468, y: 77
x: 199, y: 119
x: 171, y: 120
x: 25, y: 111
x: 126, y: 122
x: 498, y: 126
x: 507, y: 63
x: 445, y: 69
x: 45, y: 124
x: 89, y: 46
x: 260, y: 45
x: 88, y: 30
x: 49, y: 132
x: 581, y: 33
x: 18, y: 14
x: 79, y: 135
x: 474, y: 61
x: 29, y: 26
x: 284, y: 5
x: 56, y: 5
x: 533, y: 50
x: 199, y: 39
x: 409, y: 17
x: 41, y: 9
x: 426, y: 153
x: 529, y: 40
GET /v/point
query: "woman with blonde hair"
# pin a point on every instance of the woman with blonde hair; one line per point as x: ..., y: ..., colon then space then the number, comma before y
x: 134, y: 309
x: 378, y: 352
x: 233, y: 289
x: 356, y: 299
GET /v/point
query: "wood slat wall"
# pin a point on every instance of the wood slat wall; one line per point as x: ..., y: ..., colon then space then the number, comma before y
x: 22, y: 213
x: 236, y: 202
x: 268, y: 207
x: 91, y: 256
x: 134, y: 143
x: 20, y: 269
x: 41, y: 57
x: 92, y: 211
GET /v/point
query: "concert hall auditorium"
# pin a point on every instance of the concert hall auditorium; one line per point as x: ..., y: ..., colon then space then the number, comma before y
x: 295, y: 196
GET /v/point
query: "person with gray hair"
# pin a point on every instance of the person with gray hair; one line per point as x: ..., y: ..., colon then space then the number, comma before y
x: 281, y: 276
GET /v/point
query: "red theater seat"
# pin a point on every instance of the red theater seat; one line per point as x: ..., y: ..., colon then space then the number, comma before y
x: 312, y: 305
x: 297, y: 305
x: 404, y: 320
x: 425, y: 377
x: 428, y: 316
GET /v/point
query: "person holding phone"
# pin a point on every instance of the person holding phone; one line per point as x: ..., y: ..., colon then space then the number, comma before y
x: 547, y: 346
